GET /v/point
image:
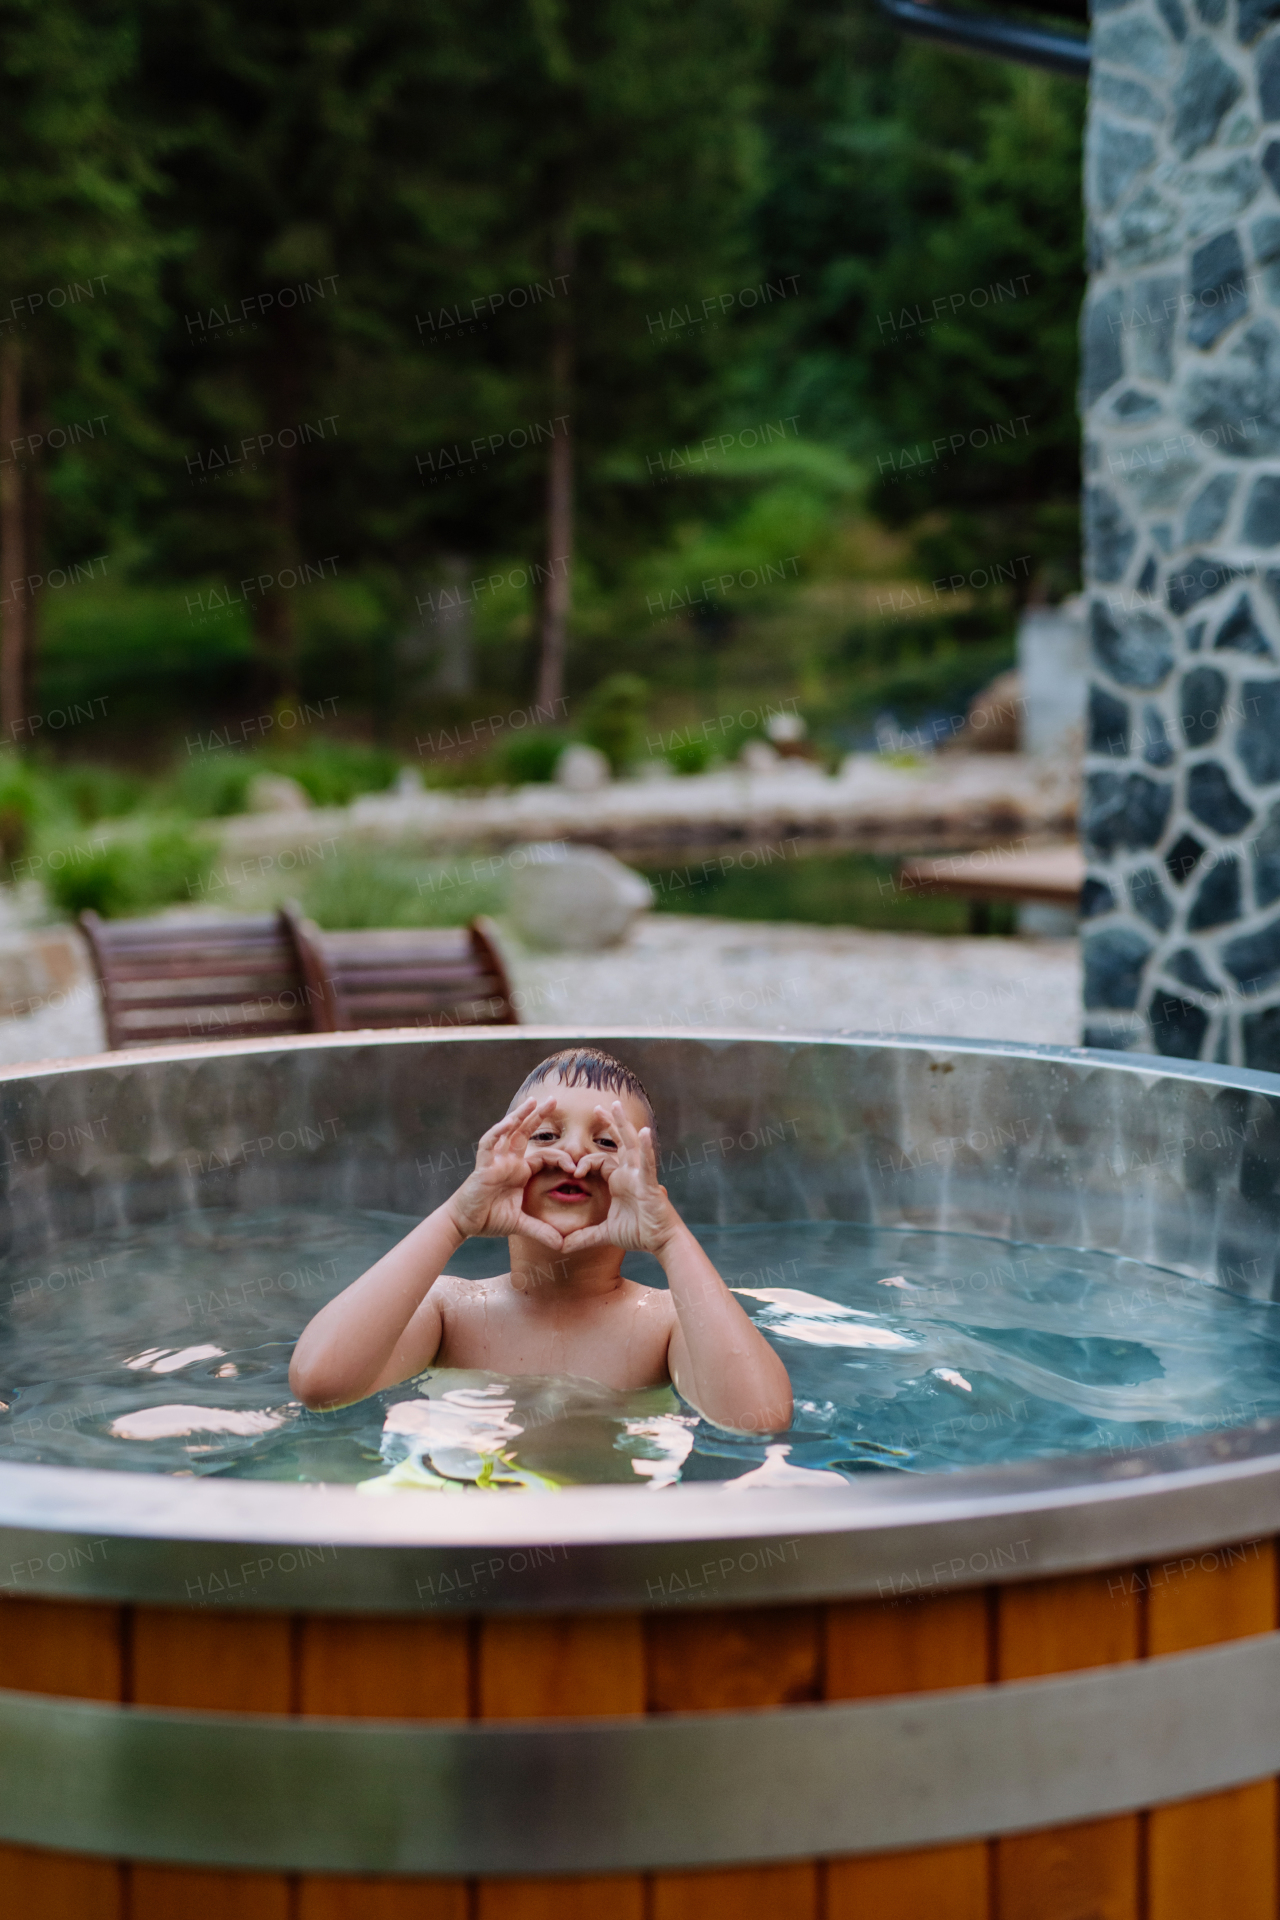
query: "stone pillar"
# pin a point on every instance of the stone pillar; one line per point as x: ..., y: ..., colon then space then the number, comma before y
x: 1181, y: 399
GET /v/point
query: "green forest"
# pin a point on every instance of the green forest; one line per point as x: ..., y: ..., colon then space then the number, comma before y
x: 418, y: 361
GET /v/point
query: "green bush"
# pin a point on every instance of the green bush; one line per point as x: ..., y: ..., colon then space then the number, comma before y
x: 690, y: 756
x: 28, y: 802
x: 355, y: 888
x: 531, y: 757
x: 613, y: 718
x: 98, y: 793
x: 209, y: 786
x: 134, y: 873
x: 332, y: 773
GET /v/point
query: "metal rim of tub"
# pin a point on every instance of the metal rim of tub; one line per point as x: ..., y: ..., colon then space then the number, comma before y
x: 113, y: 1535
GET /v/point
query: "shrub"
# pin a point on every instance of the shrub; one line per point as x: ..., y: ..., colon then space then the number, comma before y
x: 333, y: 772
x: 613, y: 717
x: 532, y: 757
x: 28, y: 802
x: 212, y: 785
x: 97, y: 793
x: 330, y: 772
x: 357, y: 888
x: 154, y: 866
x: 690, y: 756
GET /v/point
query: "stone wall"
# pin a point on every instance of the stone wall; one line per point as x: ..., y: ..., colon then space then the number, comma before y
x: 1181, y: 397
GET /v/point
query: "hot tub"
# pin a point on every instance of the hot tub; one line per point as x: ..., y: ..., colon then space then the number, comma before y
x: 1043, y: 1689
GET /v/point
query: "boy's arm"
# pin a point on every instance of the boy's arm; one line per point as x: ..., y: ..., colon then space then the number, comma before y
x: 719, y: 1361
x: 386, y: 1326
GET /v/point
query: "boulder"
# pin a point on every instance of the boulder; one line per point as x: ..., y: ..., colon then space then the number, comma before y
x: 582, y: 769
x: 276, y: 793
x: 991, y: 724
x: 573, y: 899
x: 759, y: 756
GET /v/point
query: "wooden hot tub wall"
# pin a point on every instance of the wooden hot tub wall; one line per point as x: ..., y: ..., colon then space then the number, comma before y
x: 1042, y: 1692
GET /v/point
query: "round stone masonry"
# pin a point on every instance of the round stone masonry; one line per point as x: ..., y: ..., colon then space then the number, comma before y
x: 1180, y: 393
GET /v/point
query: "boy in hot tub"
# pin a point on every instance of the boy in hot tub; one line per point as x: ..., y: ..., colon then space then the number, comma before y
x: 572, y: 1181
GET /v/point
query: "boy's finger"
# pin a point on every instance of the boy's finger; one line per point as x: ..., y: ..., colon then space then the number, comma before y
x: 540, y: 1231
x: 617, y: 1122
x: 508, y: 1120
x: 583, y: 1237
x: 536, y: 1158
x: 527, y: 1121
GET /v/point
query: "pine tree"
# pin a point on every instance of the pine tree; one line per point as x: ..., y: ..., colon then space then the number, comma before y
x: 77, y: 301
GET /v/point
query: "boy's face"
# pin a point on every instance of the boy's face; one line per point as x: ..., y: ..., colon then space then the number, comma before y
x: 560, y: 1198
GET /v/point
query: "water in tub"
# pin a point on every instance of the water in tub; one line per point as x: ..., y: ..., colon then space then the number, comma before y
x: 165, y: 1348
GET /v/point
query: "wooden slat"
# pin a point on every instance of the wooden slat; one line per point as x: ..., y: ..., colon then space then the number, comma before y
x: 1058, y: 1626
x: 554, y: 1667
x: 70, y: 1647
x: 173, y: 1007
x: 876, y: 1649
x: 1213, y: 1858
x: 60, y: 1886
x: 732, y: 1658
x: 560, y: 1667
x: 121, y: 933
x: 239, y: 1662
x: 145, y: 1019
x: 723, y: 1660
x: 73, y: 1648
x: 359, y: 1897
x: 395, y: 1006
x: 383, y: 1669
x: 147, y: 1032
x: 787, y: 1892
x: 214, y: 983
x: 408, y: 980
x: 391, y: 940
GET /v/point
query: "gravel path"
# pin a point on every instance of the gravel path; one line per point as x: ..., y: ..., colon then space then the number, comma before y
x: 692, y: 971
x: 678, y: 972
x: 69, y: 1025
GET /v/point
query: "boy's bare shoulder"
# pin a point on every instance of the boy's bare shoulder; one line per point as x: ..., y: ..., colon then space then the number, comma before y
x: 652, y: 1300
x: 452, y: 1291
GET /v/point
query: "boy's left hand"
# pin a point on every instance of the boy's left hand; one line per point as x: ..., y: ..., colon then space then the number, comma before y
x: 640, y: 1216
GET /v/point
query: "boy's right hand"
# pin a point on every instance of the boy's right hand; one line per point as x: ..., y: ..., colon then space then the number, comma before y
x: 490, y: 1200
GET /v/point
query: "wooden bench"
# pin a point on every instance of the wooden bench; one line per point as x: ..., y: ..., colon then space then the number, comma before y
x: 256, y: 976
x: 406, y: 977
x: 1034, y: 876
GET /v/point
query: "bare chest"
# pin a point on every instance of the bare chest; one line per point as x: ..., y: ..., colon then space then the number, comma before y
x: 620, y: 1340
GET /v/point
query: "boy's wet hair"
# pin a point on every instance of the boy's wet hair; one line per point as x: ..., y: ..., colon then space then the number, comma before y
x: 589, y: 1067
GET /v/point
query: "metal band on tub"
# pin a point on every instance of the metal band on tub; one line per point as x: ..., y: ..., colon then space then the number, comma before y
x: 679, y: 1790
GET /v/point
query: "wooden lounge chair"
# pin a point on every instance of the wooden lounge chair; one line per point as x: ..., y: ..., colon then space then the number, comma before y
x: 188, y: 978
x: 405, y: 977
